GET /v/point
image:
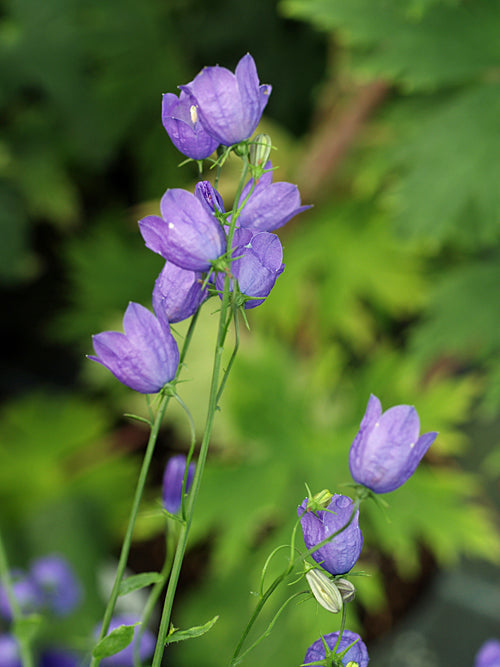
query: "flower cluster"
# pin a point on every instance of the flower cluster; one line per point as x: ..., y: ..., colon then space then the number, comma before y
x: 384, y: 454
x: 201, y: 242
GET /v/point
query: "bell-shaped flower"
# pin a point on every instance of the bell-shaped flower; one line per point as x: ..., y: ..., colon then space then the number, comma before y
x: 10, y: 652
x: 340, y: 553
x: 60, y: 589
x: 186, y: 234
x: 270, y: 205
x: 209, y: 197
x: 357, y: 654
x: 489, y: 654
x: 125, y: 657
x: 229, y: 105
x: 180, y: 119
x: 143, y: 358
x: 178, y: 293
x: 173, y: 478
x: 387, y: 448
x: 259, y: 263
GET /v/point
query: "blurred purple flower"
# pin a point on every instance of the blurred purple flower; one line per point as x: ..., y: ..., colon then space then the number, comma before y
x: 387, y: 448
x: 187, y: 234
x: 489, y: 654
x: 59, y: 658
x: 145, y: 357
x: 357, y: 654
x: 61, y: 591
x: 172, y: 482
x: 270, y: 205
x: 26, y: 592
x: 178, y: 293
x: 340, y: 554
x: 9, y: 652
x: 229, y: 105
x: 125, y: 658
x: 180, y: 119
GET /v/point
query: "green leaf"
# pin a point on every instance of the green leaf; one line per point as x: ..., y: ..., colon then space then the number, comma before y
x: 137, y: 581
x: 115, y: 642
x: 176, y: 635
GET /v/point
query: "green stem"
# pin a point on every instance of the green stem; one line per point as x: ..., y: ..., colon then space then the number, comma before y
x: 5, y: 578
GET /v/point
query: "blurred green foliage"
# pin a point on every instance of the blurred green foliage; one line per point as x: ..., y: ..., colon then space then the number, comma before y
x: 391, y: 285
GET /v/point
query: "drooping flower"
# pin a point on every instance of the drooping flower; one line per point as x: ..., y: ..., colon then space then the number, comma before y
x: 125, y: 658
x: 180, y: 119
x: 186, y: 234
x: 60, y: 589
x: 143, y: 358
x: 489, y: 654
x: 229, y: 105
x: 9, y: 651
x: 270, y: 205
x: 358, y: 654
x: 172, y: 482
x: 387, y: 448
x: 26, y: 593
x: 340, y: 554
x: 178, y: 293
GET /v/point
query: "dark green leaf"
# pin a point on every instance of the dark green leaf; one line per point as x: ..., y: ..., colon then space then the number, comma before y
x: 195, y: 631
x: 137, y: 581
x: 115, y: 642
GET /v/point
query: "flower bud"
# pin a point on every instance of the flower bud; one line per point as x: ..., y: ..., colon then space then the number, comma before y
x: 260, y: 150
x: 347, y: 589
x: 324, y: 590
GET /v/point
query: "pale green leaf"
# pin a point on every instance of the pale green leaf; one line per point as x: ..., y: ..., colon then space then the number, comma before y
x: 177, y: 635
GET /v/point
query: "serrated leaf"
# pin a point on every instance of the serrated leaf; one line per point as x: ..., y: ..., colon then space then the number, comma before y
x: 115, y: 642
x: 195, y: 631
x: 138, y: 581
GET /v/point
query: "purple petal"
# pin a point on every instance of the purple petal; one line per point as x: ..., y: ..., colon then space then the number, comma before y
x: 154, y: 232
x: 177, y: 293
x: 179, y: 117
x: 358, y: 654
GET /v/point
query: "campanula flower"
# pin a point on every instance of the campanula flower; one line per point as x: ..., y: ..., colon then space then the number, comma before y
x: 9, y: 651
x: 172, y: 482
x: 229, y: 105
x: 180, y: 119
x: 60, y: 589
x: 26, y: 592
x: 339, y: 554
x: 270, y: 205
x: 209, y: 197
x: 489, y: 654
x: 357, y: 653
x: 387, y: 448
x: 125, y: 658
x: 178, y: 293
x: 186, y: 234
x: 143, y: 358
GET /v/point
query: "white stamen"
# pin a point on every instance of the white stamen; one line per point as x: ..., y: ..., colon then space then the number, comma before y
x: 193, y: 113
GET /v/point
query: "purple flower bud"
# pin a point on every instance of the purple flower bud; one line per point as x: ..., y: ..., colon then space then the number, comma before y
x: 270, y: 205
x: 489, y: 654
x: 357, y: 654
x: 61, y: 591
x: 145, y: 357
x: 209, y: 197
x: 59, y: 658
x: 178, y: 293
x: 172, y: 482
x: 339, y: 554
x: 9, y: 652
x: 387, y: 448
x: 125, y: 658
x: 180, y: 119
x: 187, y: 234
x: 229, y: 105
x: 25, y: 591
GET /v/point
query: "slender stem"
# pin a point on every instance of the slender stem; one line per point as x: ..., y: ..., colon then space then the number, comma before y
x: 5, y: 578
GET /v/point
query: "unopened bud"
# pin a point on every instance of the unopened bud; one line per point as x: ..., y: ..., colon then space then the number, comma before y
x: 324, y: 590
x: 347, y: 589
x: 260, y: 150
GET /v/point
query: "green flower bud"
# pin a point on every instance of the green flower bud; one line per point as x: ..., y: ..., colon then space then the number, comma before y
x: 347, y: 589
x: 260, y: 150
x: 324, y: 590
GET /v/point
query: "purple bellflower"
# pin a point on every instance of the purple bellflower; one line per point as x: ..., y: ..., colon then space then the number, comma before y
x: 229, y: 105
x: 340, y: 554
x: 26, y: 592
x: 270, y: 205
x: 387, y: 448
x: 61, y: 591
x: 9, y: 652
x: 180, y: 119
x: 125, y: 658
x: 143, y: 358
x: 358, y: 654
x: 209, y: 197
x: 178, y: 293
x: 489, y: 654
x: 172, y: 482
x: 186, y: 234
